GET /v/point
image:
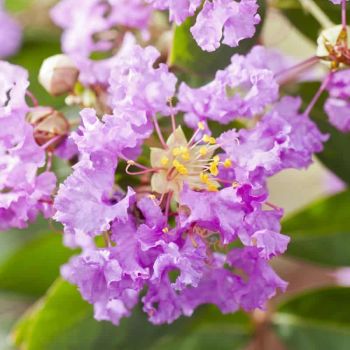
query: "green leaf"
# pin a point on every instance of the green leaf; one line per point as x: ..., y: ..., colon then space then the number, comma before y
x: 197, y: 66
x: 303, y: 20
x: 13, y: 239
x: 317, y: 320
x: 321, y: 232
x: 18, y: 5
x: 33, y: 267
x: 335, y: 155
x: 62, y: 320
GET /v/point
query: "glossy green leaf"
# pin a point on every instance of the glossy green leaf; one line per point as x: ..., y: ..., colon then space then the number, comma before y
x: 303, y: 20
x: 334, y: 155
x: 318, y: 320
x: 197, y: 66
x: 33, y: 267
x: 321, y: 232
x: 69, y: 325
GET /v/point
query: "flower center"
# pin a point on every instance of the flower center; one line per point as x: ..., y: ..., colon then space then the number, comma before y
x: 188, y: 162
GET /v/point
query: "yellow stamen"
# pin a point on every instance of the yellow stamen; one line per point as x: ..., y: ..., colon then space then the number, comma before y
x: 186, y: 156
x: 201, y: 126
x: 212, y: 187
x: 203, y: 151
x: 216, y: 159
x: 204, y: 178
x: 227, y: 163
x: 165, y: 230
x: 176, y: 151
x: 214, y: 169
x: 180, y: 168
x: 209, y: 139
x: 164, y: 161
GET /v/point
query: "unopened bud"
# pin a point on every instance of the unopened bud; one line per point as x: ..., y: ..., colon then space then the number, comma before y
x: 48, y: 124
x: 58, y: 75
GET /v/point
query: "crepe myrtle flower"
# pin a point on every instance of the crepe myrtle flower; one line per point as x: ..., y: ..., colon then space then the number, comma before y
x: 170, y: 240
x: 10, y: 33
x: 244, y: 88
x: 92, y: 26
x: 27, y: 133
x: 97, y: 27
x: 167, y: 239
x: 337, y: 105
x: 217, y: 21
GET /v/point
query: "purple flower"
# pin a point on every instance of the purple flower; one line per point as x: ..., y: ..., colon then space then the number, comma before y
x: 92, y: 184
x: 99, y: 277
x: 262, y: 281
x: 135, y: 74
x: 261, y: 57
x: 98, y: 71
x: 93, y: 26
x: 241, y: 90
x: 23, y: 193
x: 10, y: 34
x: 179, y: 10
x: 112, y: 136
x: 282, y: 139
x: 85, y: 21
x: 233, y: 20
x: 337, y: 105
x: 194, y: 196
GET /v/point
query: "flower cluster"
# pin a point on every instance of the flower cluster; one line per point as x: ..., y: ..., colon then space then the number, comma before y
x: 10, y: 33
x: 23, y: 192
x: 170, y: 238
x: 99, y: 26
x: 228, y: 20
x: 168, y: 198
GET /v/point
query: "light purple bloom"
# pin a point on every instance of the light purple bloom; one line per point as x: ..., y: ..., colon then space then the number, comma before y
x: 283, y: 139
x: 10, y: 34
x: 136, y: 85
x: 196, y: 196
x: 233, y: 20
x: 241, y: 90
x: 179, y: 10
x: 337, y: 105
x: 83, y: 21
x: 23, y: 193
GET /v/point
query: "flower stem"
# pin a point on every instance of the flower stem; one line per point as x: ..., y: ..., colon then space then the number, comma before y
x: 318, y: 94
x: 173, y: 121
x: 159, y: 133
x: 33, y: 98
x: 283, y: 76
x: 343, y: 14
